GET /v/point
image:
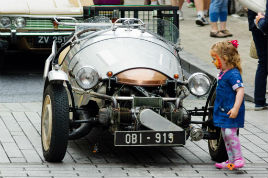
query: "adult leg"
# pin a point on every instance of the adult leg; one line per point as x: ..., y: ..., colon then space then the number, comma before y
x: 206, y: 7
x: 223, y: 17
x: 214, y: 14
x: 261, y: 73
x: 200, y: 20
x: 199, y: 5
x: 178, y: 3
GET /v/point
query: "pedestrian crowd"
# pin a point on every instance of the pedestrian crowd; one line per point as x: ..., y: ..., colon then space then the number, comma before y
x: 213, y: 9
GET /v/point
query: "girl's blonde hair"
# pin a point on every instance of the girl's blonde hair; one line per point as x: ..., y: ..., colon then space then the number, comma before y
x: 228, y: 52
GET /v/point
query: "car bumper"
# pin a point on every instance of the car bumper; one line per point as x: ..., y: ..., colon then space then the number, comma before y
x: 32, y: 40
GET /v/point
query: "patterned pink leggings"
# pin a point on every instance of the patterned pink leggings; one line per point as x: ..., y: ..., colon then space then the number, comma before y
x: 232, y: 143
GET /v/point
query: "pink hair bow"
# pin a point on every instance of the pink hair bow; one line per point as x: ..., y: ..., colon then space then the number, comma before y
x: 234, y: 42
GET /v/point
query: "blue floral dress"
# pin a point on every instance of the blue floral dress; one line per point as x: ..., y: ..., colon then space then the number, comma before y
x: 228, y: 82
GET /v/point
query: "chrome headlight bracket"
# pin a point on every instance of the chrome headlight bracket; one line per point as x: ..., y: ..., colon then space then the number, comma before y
x: 199, y: 84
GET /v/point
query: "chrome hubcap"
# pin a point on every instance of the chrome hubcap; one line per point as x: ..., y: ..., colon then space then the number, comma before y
x: 214, y: 144
x: 46, y: 123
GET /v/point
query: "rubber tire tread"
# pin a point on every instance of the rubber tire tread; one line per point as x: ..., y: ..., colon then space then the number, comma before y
x: 220, y: 154
x: 60, y: 123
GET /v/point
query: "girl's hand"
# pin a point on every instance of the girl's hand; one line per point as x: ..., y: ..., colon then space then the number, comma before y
x: 258, y: 17
x: 233, y: 113
x: 238, y: 101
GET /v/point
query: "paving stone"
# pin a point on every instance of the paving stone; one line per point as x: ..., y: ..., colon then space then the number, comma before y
x: 23, y: 142
x: 132, y: 172
x: 20, y: 116
x: 14, y: 107
x: 91, y: 172
x: 12, y: 150
x: 39, y: 173
x: 173, y: 156
x: 32, y: 107
x: 31, y: 156
x: 32, y: 177
x: 17, y: 133
x: 3, y: 155
x: 31, y: 133
x: 256, y: 139
x: 17, y: 160
x: 35, y: 120
x: 112, y: 172
x: 68, y: 158
x: 10, y: 122
x: 3, y: 107
x: 5, y: 136
x: 13, y: 174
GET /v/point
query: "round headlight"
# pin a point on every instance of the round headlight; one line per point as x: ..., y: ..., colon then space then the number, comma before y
x: 20, y: 22
x: 199, y: 84
x: 87, y: 77
x: 5, y: 22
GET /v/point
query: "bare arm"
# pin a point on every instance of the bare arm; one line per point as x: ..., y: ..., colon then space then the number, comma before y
x: 238, y: 101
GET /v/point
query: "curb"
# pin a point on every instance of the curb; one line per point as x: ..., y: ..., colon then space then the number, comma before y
x: 193, y: 64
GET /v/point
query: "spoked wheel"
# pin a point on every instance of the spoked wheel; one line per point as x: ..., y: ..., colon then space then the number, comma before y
x: 55, y: 123
x: 216, y: 147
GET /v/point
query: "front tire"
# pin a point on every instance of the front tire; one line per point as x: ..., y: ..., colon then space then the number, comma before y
x: 55, y: 122
x: 216, y: 147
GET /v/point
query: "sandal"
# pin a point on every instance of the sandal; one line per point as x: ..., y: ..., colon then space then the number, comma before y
x: 227, y: 33
x: 217, y: 34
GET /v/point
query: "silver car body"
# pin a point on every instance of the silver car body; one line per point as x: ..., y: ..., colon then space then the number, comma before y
x: 124, y: 49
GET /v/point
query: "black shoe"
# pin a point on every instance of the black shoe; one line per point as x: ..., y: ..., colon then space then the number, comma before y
x: 201, y: 21
x: 259, y: 107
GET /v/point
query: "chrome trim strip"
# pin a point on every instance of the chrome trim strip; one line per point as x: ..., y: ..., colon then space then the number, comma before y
x: 36, y: 34
x: 41, y: 16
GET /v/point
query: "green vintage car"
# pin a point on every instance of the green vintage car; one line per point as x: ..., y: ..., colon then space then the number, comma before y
x: 28, y: 25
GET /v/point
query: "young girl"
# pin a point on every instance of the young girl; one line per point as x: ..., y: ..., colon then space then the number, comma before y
x: 229, y: 108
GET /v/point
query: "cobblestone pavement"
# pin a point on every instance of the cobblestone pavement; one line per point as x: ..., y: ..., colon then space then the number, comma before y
x: 21, y: 152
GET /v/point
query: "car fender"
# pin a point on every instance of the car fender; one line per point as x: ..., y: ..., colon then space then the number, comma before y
x: 57, y: 75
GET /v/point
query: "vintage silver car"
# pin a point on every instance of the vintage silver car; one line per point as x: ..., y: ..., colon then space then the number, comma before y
x: 126, y: 79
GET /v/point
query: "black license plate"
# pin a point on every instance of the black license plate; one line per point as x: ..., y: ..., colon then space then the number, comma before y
x: 149, y: 138
x: 44, y: 40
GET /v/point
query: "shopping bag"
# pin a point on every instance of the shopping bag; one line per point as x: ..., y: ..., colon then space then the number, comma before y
x: 254, y: 5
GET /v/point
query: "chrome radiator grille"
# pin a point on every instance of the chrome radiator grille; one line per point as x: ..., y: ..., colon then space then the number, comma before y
x: 45, y: 24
